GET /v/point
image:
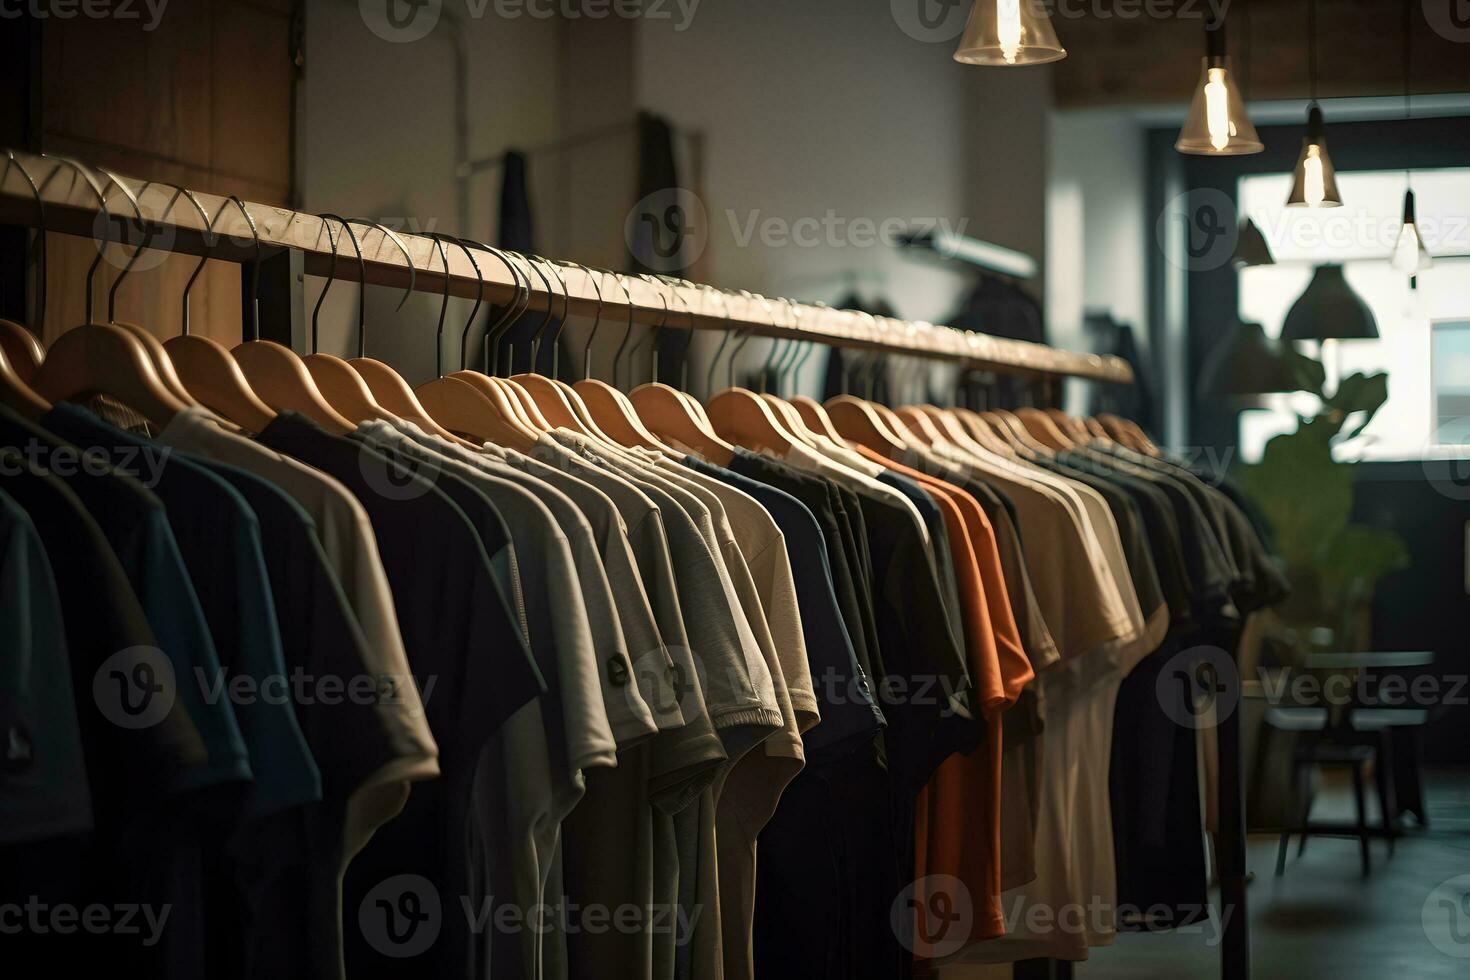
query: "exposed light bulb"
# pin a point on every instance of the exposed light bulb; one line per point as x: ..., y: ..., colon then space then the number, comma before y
x: 1008, y: 28
x: 1406, y: 250
x: 1217, y: 109
x: 1314, y: 188
x: 1409, y: 254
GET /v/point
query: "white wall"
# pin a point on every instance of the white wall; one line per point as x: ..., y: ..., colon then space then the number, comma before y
x: 820, y: 111
x: 1098, y: 234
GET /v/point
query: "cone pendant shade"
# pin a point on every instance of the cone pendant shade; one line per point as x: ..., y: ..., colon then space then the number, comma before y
x: 1246, y: 362
x: 1329, y: 310
x: 1409, y: 254
x: 1314, y: 184
x: 1217, y: 124
x: 1009, y: 32
x: 1251, y: 247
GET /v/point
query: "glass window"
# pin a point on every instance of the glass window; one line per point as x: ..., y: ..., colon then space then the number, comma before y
x: 1361, y: 235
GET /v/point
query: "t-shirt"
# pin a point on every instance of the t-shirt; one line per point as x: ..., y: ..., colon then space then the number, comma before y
x: 460, y: 634
x: 137, y: 528
x: 43, y: 790
x: 137, y: 740
x: 219, y: 538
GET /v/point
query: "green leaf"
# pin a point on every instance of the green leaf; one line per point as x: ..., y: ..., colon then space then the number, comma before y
x: 1357, y: 557
x: 1310, y: 373
x: 1359, y: 393
x: 1305, y: 496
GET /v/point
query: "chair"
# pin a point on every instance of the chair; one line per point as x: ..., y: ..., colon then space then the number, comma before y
x: 1318, y: 749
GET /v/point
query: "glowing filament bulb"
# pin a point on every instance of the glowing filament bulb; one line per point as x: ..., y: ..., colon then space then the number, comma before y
x: 1008, y: 28
x: 1217, y: 110
x: 1314, y: 189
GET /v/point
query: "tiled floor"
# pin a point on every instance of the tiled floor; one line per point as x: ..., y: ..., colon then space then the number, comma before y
x: 1322, y: 919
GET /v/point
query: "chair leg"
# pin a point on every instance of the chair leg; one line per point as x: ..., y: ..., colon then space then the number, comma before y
x: 1288, y: 819
x: 1383, y: 772
x: 1304, y: 788
x: 1360, y: 797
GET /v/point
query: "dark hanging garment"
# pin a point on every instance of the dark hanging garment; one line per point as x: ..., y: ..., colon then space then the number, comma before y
x: 1135, y: 401
x: 1001, y: 308
x: 517, y: 234
x: 836, y: 382
x: 658, y: 235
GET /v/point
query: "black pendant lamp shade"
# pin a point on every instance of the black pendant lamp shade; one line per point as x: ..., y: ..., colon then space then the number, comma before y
x: 1329, y: 310
x: 1246, y: 362
x: 1251, y: 247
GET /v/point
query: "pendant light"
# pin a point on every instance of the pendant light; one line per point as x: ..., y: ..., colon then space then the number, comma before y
x: 1009, y: 32
x: 1245, y: 363
x: 1409, y: 254
x: 1217, y: 124
x: 1251, y: 247
x: 1315, y: 181
x: 1329, y: 310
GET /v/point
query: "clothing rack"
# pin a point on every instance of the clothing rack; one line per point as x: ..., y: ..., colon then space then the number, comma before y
x: 287, y: 237
x: 287, y: 244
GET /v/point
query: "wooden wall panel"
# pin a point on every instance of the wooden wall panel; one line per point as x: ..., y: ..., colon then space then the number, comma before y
x: 1133, y: 59
x: 204, y: 100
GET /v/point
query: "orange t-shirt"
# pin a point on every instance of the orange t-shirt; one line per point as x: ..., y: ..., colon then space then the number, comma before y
x: 957, y: 819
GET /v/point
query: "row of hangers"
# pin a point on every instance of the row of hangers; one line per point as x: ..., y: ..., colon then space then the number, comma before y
x: 246, y: 386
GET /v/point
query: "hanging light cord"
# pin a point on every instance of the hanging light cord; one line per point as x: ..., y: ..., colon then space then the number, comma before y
x: 1312, y: 46
x: 1408, y: 50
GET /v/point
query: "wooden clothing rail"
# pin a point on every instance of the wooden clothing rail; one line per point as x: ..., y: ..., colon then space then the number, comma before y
x: 291, y: 244
x: 71, y: 206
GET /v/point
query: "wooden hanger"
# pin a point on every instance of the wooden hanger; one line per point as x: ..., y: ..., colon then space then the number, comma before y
x: 16, y: 394
x: 103, y: 358
x: 462, y: 408
x: 1096, y: 430
x: 1074, y: 428
x: 991, y: 436
x: 855, y: 419
x: 1043, y: 429
x: 609, y: 408
x: 203, y: 366
x: 815, y: 416
x: 1133, y: 435
x: 23, y: 351
x: 662, y: 409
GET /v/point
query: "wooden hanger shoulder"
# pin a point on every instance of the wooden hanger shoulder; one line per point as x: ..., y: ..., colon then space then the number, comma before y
x: 815, y: 416
x: 162, y: 363
x: 215, y: 380
x: 855, y: 419
x: 667, y: 414
x: 22, y: 347
x: 550, y: 400
x: 102, y: 358
x: 743, y: 418
x: 462, y: 408
x: 277, y: 375
x: 613, y: 417
x: 393, y: 393
x: 16, y: 394
x: 344, y: 389
x: 1043, y: 429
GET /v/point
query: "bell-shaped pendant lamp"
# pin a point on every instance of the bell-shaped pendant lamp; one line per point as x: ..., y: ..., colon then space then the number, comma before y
x: 1009, y: 32
x: 1217, y: 124
x: 1314, y: 185
x: 1409, y: 254
x: 1247, y: 362
x: 1329, y: 310
x: 1251, y: 247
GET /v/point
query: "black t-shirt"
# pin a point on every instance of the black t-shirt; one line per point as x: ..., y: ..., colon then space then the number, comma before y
x: 458, y: 632
x: 849, y: 714
x: 134, y: 761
